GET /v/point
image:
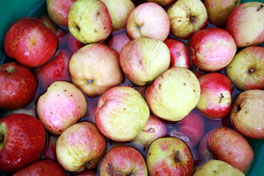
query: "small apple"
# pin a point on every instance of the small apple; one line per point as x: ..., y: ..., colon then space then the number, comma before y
x: 163, y: 3
x: 18, y: 86
x: 148, y: 20
x: 143, y: 60
x: 187, y: 17
x: 62, y: 105
x: 121, y: 113
x: 212, y: 49
x: 118, y: 40
x: 42, y: 168
x: 22, y: 139
x: 246, y: 69
x: 246, y: 24
x: 169, y: 156
x: 247, y: 114
x: 178, y: 53
x: 80, y: 146
x: 73, y: 44
x: 89, y: 21
x: 173, y: 94
x: 123, y: 160
x: 216, y: 95
x: 30, y: 42
x: 95, y: 69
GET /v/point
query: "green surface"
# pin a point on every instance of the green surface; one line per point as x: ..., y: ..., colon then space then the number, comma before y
x: 12, y: 10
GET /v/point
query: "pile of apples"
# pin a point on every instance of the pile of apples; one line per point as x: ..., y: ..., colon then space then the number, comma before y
x: 121, y: 87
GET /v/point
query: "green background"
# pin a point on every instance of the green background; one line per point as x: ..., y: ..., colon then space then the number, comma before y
x: 12, y: 10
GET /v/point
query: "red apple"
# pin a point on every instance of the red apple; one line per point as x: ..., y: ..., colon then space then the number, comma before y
x: 178, y: 52
x: 42, y: 168
x: 30, y: 42
x: 18, y: 86
x: 118, y: 40
x: 123, y: 160
x: 73, y: 44
x: 216, y: 95
x: 22, y: 138
x: 49, y: 151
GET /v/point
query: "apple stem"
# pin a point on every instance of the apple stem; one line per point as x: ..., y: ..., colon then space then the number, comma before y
x: 251, y: 70
x: 192, y: 19
x: 260, y: 7
x: 177, y: 156
x: 2, y: 138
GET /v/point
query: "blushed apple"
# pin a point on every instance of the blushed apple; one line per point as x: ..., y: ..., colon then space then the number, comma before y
x: 148, y: 20
x: 118, y: 40
x: 163, y: 3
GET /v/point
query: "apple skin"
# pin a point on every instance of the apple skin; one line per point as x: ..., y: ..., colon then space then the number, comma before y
x: 18, y: 86
x: 187, y: 17
x: 178, y: 53
x: 95, y: 24
x: 42, y: 168
x: 143, y: 60
x: 216, y: 95
x: 22, y: 141
x: 95, y: 69
x: 247, y: 114
x: 55, y: 70
x: 121, y: 113
x: 246, y: 24
x: 169, y: 156
x: 173, y: 94
x: 48, y: 23
x: 73, y: 44
x: 212, y: 49
x: 219, y: 10
x: 30, y: 42
x: 163, y: 3
x: 62, y: 105
x: 79, y: 146
x: 148, y: 20
x: 246, y: 69
x: 118, y: 40
x: 123, y: 160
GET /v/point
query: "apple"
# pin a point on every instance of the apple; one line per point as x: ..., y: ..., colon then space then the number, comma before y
x: 119, y: 11
x: 245, y: 70
x: 18, y: 86
x: 48, y: 23
x: 62, y: 105
x: 22, y: 139
x: 30, y: 42
x: 212, y: 49
x: 148, y: 20
x: 49, y: 152
x: 169, y: 156
x: 143, y: 60
x: 86, y: 173
x: 89, y: 21
x: 178, y: 53
x: 173, y: 94
x: 42, y: 168
x: 121, y: 113
x: 187, y: 17
x: 163, y: 3
x: 219, y: 10
x: 216, y: 95
x: 247, y: 114
x: 95, y: 69
x: 154, y: 128
x: 246, y: 24
x: 118, y: 40
x: 55, y: 70
x: 27, y: 110
x: 217, y: 168
x: 123, y: 160
x: 73, y: 44
x: 80, y: 146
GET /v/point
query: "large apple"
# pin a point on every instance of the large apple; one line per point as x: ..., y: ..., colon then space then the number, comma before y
x: 30, y: 42
x: 212, y: 49
x: 246, y: 69
x: 187, y: 17
x: 148, y: 20
x: 118, y: 40
x: 121, y: 113
x: 246, y: 24
x: 62, y: 105
x: 22, y: 139
x: 143, y: 60
x: 163, y: 3
x: 173, y: 94
x: 247, y: 114
x: 123, y: 160
x: 95, y: 69
x: 169, y: 156
x: 18, y: 86
x: 80, y: 146
x: 89, y: 21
